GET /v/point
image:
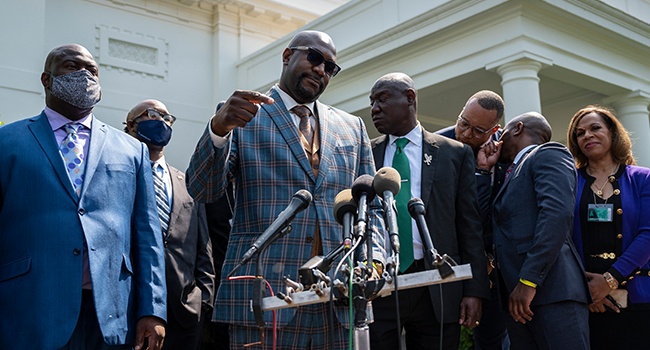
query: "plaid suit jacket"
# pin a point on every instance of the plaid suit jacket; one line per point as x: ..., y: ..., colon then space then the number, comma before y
x: 268, y: 164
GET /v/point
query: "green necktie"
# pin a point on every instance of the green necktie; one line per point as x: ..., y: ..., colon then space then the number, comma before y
x: 401, y: 164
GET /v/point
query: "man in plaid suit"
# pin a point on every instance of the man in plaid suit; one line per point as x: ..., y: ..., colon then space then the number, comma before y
x: 273, y: 147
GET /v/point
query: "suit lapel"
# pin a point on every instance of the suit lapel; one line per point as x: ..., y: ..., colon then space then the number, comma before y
x: 379, y: 151
x: 327, y: 141
x: 514, y: 171
x: 45, y: 136
x: 97, y: 141
x: 178, y: 200
x: 282, y: 119
x: 430, y: 153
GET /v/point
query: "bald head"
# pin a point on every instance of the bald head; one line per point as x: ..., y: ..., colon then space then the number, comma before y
x: 393, y: 102
x: 399, y: 81
x: 535, y: 125
x: 309, y: 37
x: 64, y: 60
x: 142, y: 106
x: 522, y: 131
x: 304, y: 74
x: 59, y: 53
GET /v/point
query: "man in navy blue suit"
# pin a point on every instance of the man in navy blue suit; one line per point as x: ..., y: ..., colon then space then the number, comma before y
x: 478, y: 127
x: 81, y: 254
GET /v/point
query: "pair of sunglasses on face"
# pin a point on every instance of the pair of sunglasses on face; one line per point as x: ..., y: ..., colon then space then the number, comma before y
x: 315, y: 57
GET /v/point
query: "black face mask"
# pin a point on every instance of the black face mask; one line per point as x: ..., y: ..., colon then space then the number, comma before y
x: 155, y: 132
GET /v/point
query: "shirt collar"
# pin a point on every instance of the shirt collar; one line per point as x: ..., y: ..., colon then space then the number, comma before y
x: 414, y: 136
x: 162, y: 163
x: 57, y: 120
x: 289, y: 102
x: 522, y: 153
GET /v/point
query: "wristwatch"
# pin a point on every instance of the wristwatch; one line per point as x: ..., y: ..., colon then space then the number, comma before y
x: 483, y: 171
x: 611, y: 281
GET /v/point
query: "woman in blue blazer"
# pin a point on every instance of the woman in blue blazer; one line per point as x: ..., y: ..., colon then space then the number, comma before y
x: 611, y: 229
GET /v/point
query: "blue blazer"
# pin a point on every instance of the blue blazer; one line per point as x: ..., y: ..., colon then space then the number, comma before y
x: 269, y: 164
x: 532, y: 220
x: 635, y: 199
x: 42, y: 229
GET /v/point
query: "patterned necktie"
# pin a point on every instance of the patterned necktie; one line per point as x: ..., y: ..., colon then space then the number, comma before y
x: 161, y: 200
x: 401, y: 164
x: 73, y: 156
x: 305, y: 126
x: 508, y: 171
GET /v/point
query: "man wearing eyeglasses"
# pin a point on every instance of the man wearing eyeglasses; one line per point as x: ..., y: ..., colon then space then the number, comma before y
x: 477, y: 126
x: 272, y: 146
x: 188, y: 250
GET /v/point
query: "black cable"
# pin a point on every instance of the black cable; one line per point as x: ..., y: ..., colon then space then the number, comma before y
x: 442, y: 314
x: 332, y: 314
x: 399, y: 319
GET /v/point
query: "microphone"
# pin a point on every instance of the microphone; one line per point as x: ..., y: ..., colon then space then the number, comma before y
x: 345, y: 208
x: 388, y: 183
x: 363, y: 192
x: 416, y: 210
x: 299, y: 202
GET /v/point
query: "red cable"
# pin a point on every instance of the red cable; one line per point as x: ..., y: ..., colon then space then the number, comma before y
x: 271, y: 291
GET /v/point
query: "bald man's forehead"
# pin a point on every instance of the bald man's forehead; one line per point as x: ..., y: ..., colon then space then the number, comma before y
x: 320, y: 41
x: 69, y: 53
x: 144, y: 105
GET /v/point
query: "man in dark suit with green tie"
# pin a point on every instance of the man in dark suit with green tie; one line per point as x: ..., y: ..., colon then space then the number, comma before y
x: 441, y: 172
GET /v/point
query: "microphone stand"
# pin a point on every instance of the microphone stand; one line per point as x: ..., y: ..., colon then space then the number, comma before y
x: 362, y: 290
x: 433, y: 260
x: 259, y: 287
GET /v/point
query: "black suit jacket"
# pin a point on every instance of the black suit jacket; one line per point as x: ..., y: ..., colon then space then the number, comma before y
x: 188, y: 255
x: 448, y: 191
x: 485, y: 188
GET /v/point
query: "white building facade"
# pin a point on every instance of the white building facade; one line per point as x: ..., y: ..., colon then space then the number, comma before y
x: 550, y: 56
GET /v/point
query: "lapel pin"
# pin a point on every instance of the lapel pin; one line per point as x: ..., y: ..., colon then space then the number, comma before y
x: 179, y: 177
x: 427, y: 159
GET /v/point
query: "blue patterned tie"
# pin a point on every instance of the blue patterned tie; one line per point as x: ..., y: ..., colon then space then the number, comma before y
x: 161, y: 200
x: 401, y: 164
x: 73, y: 156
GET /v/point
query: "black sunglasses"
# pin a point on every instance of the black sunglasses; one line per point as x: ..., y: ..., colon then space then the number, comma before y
x: 315, y: 57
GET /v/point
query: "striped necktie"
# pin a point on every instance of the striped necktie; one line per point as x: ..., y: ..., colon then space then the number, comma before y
x: 305, y: 126
x: 161, y: 200
x: 401, y: 164
x: 73, y: 156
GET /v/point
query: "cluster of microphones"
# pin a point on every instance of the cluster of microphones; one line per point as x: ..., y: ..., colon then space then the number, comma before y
x: 351, y: 209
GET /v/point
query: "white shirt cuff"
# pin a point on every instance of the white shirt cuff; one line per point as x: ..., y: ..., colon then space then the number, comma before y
x: 218, y: 141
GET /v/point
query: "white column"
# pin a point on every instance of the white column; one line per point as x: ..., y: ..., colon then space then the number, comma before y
x: 632, y: 111
x: 520, y: 87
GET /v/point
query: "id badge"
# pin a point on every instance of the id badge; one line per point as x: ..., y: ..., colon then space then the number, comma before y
x: 600, y: 212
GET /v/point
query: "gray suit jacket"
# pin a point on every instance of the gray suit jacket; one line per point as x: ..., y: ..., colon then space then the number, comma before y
x: 532, y: 220
x: 448, y: 191
x: 188, y: 255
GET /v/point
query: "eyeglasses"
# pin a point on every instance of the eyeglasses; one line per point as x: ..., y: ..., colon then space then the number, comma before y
x: 476, y: 131
x: 154, y: 114
x: 315, y: 57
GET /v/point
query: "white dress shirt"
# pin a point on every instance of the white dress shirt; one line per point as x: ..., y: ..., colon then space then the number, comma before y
x: 413, y: 151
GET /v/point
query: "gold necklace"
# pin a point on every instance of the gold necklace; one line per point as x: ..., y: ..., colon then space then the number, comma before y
x: 610, y: 178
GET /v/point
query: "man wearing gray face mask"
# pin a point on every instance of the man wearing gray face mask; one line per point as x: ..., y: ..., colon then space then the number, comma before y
x: 81, y: 259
